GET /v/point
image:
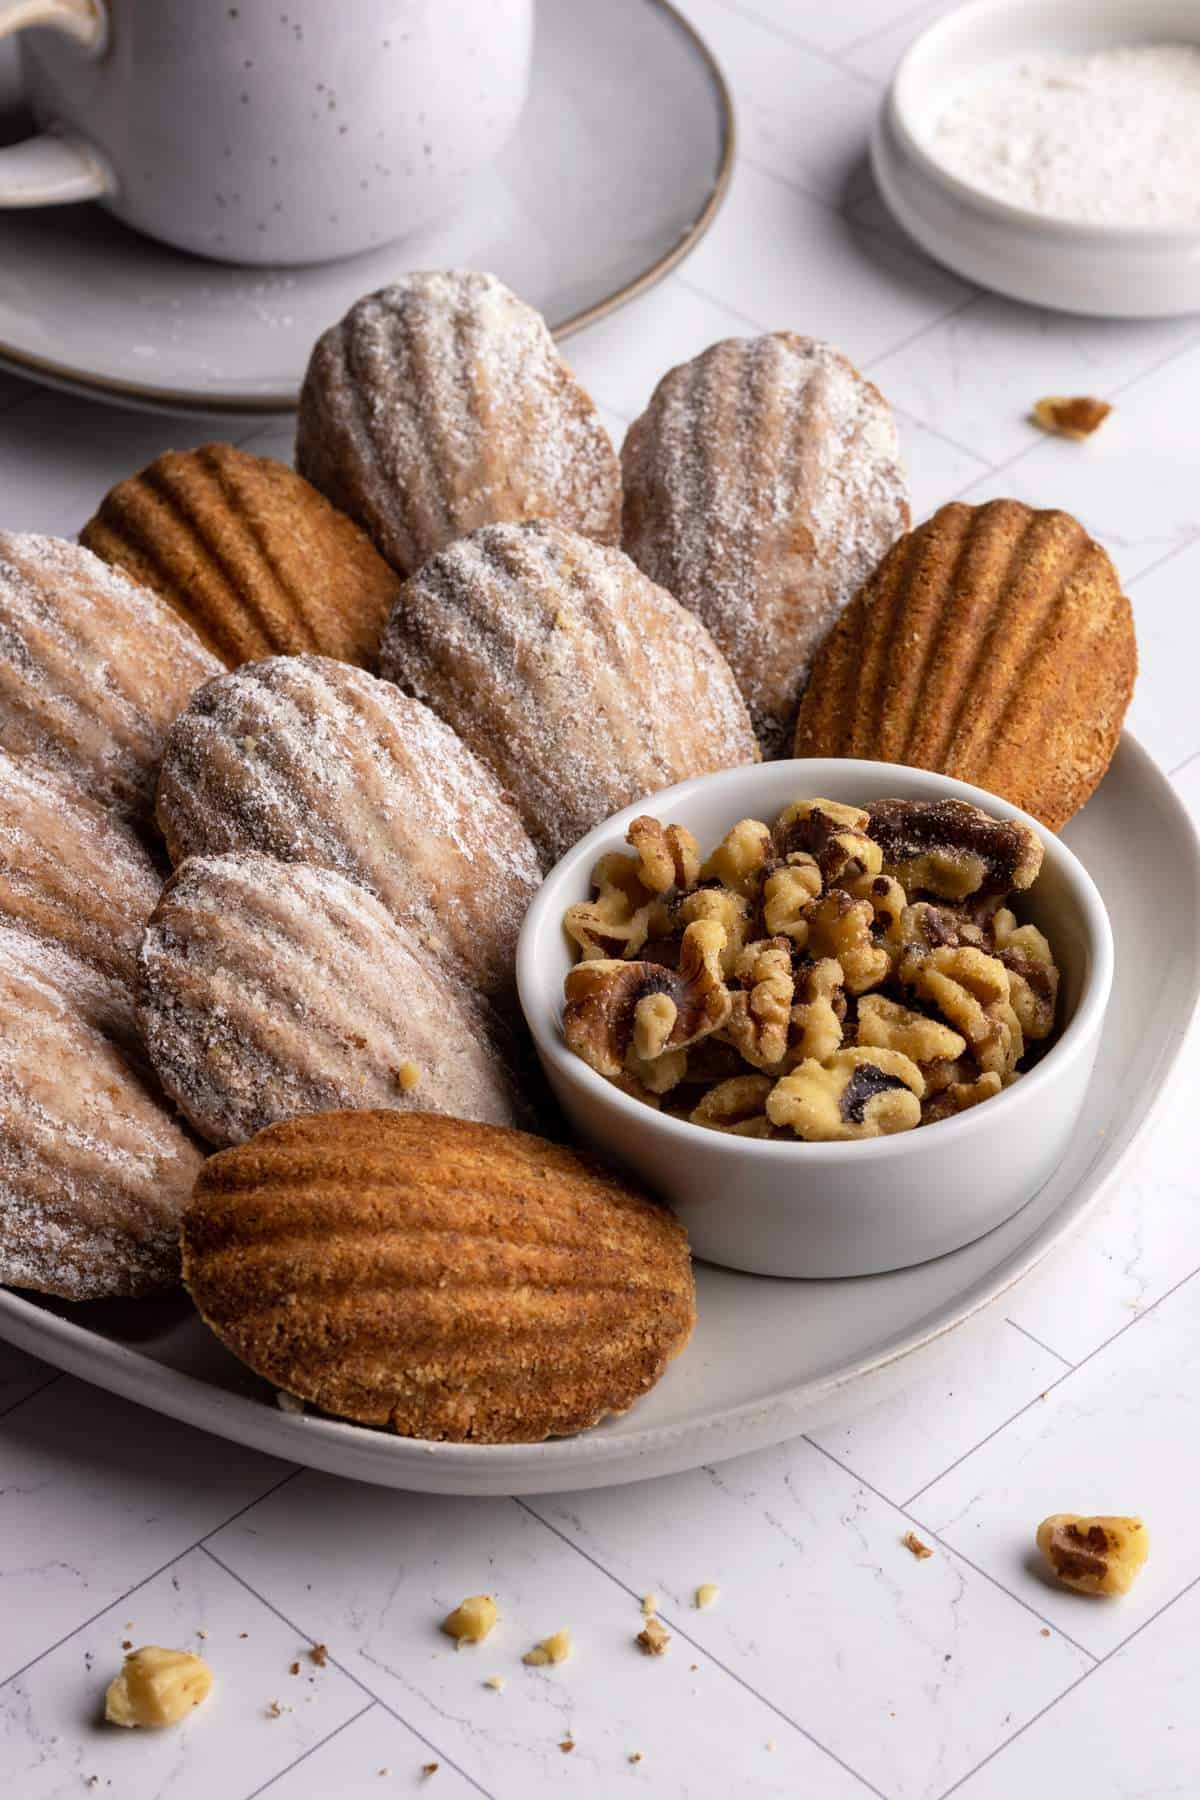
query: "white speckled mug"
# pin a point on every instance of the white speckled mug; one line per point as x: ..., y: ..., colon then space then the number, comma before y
x: 265, y: 131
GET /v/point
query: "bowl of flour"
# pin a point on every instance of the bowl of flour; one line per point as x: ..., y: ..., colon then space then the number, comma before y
x: 1050, y: 149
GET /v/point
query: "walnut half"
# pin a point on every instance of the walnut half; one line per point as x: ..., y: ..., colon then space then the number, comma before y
x: 613, y: 1006
x: 1095, y: 1556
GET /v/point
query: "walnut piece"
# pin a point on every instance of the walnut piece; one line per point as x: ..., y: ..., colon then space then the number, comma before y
x: 971, y: 991
x: 841, y: 927
x: 1102, y: 1555
x: 820, y: 1009
x: 554, y: 1649
x: 785, y: 894
x: 1033, y: 976
x: 950, y: 850
x: 853, y: 1094
x: 739, y: 856
x: 835, y: 836
x: 668, y: 855
x: 737, y: 1105
x: 761, y: 1010
x: 616, y: 921
x: 653, y: 1638
x: 157, y: 1687
x: 612, y: 1006
x: 960, y: 1096
x: 1070, y: 415
x: 886, y: 1025
x: 471, y: 1620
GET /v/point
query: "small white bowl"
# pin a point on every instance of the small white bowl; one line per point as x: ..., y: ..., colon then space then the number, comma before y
x: 778, y: 1208
x: 1113, y: 271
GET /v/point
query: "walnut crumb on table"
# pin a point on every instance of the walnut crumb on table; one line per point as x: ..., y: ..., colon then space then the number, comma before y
x: 653, y: 1638
x: 636, y: 1756
x: 912, y: 1542
x: 430, y: 1768
x: 649, y: 1605
x: 567, y: 1745
x: 469, y: 1623
x: 554, y: 1649
x: 706, y: 1593
x: 1070, y: 415
x: 496, y: 1683
x: 319, y: 1654
x: 1101, y: 1555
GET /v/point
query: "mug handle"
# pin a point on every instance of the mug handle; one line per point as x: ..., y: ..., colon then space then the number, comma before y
x: 55, y: 167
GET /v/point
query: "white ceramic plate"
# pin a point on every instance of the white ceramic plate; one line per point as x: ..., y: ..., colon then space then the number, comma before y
x: 769, y: 1358
x: 616, y: 171
x: 1125, y: 271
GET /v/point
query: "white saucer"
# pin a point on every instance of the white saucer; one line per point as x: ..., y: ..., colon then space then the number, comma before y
x: 769, y: 1358
x: 1125, y: 271
x: 616, y: 171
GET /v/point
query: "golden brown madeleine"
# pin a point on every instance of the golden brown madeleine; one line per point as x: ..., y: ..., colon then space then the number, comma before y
x: 443, y: 1278
x: 440, y: 404
x: 76, y: 877
x: 579, y: 681
x: 249, y: 553
x: 269, y: 989
x: 315, y: 761
x: 94, y: 1167
x: 994, y: 644
x: 93, y: 669
x: 762, y: 485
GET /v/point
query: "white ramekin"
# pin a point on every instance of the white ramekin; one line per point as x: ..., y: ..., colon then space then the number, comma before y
x: 1115, y: 271
x: 779, y: 1208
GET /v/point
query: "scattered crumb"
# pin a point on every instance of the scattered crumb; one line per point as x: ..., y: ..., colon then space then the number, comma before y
x: 553, y: 1649
x: 649, y: 1605
x: 635, y: 1756
x: 1045, y: 1631
x: 127, y: 1643
x: 277, y: 1709
x: 294, y: 1668
x: 1070, y: 415
x: 288, y: 1403
x: 157, y: 1687
x: 653, y: 1638
x: 693, y: 1667
x: 408, y: 1075
x: 496, y: 1683
x: 706, y: 1593
x: 471, y: 1620
x: 430, y: 1768
x: 319, y: 1654
x: 243, y: 1634
x: 201, y: 1633
x: 567, y: 1745
x: 771, y: 1744
x: 912, y: 1542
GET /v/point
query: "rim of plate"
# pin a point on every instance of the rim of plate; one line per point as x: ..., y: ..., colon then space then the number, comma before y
x: 184, y: 400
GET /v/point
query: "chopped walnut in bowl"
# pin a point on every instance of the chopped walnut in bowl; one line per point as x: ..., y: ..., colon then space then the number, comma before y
x: 864, y: 966
x: 757, y: 1001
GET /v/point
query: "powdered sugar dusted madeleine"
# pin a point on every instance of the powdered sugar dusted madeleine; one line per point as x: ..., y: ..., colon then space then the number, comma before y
x: 579, y: 681
x: 93, y: 669
x: 440, y: 404
x: 762, y: 485
x: 249, y: 553
x: 443, y: 1278
x: 994, y: 644
x: 269, y: 989
x: 315, y: 761
x: 94, y: 1168
x: 77, y: 878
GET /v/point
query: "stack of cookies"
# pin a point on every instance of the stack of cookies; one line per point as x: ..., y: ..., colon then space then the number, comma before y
x: 285, y: 753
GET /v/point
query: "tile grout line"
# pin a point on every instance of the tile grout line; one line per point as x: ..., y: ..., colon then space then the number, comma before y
x: 701, y: 1649
x: 348, y: 1673
x: 312, y: 1748
x: 33, y: 1393
x: 1065, y: 1376
x: 1171, y: 773
x: 951, y: 1550
x: 1086, y: 1676
x: 832, y: 58
x: 176, y: 1557
x: 1034, y: 1340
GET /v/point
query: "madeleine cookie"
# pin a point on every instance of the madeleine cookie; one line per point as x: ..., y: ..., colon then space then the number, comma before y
x: 994, y: 644
x: 249, y: 553
x: 269, y: 989
x: 314, y: 761
x: 79, y: 880
x: 558, y: 662
x: 93, y: 669
x: 441, y: 1278
x: 440, y: 404
x: 94, y: 1168
x: 762, y: 485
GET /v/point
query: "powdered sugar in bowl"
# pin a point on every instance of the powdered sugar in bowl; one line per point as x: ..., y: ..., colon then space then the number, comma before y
x: 1043, y: 148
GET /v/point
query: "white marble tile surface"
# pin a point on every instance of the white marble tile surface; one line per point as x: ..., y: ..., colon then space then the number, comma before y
x: 833, y: 1664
